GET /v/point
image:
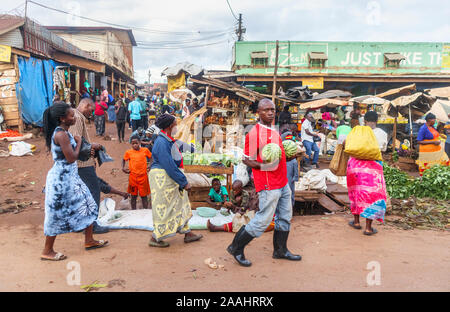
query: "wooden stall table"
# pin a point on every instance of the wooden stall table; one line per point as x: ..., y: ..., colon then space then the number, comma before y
x: 197, y: 202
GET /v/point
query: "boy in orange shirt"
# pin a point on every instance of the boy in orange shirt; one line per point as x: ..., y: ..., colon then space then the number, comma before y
x: 138, y: 180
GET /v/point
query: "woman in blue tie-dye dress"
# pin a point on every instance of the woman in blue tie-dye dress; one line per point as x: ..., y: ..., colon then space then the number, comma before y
x: 69, y: 205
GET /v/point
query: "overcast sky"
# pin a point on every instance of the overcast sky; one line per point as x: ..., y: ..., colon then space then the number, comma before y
x: 315, y: 20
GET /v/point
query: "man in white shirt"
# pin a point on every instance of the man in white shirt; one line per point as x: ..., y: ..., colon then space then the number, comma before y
x: 381, y: 138
x: 371, y: 119
x: 307, y: 136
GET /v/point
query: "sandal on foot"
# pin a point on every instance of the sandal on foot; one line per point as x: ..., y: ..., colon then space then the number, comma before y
x: 100, y: 244
x: 58, y: 257
x: 161, y: 244
x: 191, y: 239
x: 374, y: 231
x: 352, y: 224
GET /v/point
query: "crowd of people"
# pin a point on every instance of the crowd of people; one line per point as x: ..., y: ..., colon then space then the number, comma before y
x: 154, y: 164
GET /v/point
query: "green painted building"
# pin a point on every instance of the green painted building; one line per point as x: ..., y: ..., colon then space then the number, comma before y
x: 360, y: 67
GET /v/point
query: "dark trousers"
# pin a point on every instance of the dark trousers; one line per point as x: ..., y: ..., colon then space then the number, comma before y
x: 136, y: 124
x: 94, y: 183
x: 120, y: 124
x: 447, y: 149
x: 99, y: 125
x: 144, y: 121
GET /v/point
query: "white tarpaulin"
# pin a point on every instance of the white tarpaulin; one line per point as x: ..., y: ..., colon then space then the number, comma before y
x: 187, y: 67
x: 142, y: 219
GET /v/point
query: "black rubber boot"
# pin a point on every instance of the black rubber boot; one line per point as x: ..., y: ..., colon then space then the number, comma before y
x: 280, y: 250
x: 236, y: 249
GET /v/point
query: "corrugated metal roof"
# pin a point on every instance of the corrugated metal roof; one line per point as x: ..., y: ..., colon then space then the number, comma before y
x: 318, y: 56
x: 10, y: 22
x: 259, y: 54
x: 394, y: 56
x: 12, y: 38
x: 92, y: 28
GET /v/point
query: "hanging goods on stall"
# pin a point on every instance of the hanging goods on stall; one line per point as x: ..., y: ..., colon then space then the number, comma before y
x: 338, y: 164
x: 361, y: 143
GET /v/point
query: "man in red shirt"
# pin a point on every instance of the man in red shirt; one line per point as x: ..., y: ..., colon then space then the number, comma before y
x: 271, y: 183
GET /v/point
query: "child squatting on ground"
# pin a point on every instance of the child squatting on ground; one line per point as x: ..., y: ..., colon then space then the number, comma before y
x: 138, y: 180
x: 243, y: 205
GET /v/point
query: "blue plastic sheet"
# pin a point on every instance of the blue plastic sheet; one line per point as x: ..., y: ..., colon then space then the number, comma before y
x: 35, y: 88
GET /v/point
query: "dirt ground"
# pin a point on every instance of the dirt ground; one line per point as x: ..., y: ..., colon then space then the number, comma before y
x: 335, y: 256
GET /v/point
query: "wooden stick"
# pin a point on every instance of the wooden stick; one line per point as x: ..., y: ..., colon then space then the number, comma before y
x: 275, y: 74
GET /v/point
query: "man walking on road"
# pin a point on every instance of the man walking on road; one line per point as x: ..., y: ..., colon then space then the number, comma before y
x: 271, y: 183
x: 86, y: 169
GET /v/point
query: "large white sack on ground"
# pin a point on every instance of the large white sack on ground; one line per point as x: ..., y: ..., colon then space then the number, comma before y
x: 316, y: 180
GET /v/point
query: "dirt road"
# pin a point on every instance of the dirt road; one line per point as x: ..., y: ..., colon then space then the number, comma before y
x: 335, y: 256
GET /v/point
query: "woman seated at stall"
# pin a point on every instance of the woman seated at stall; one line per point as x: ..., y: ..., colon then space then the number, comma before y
x: 431, y: 149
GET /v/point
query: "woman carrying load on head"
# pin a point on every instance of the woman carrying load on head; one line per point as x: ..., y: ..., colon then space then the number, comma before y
x: 168, y: 184
x: 366, y: 185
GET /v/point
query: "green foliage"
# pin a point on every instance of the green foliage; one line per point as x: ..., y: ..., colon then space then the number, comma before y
x: 435, y: 183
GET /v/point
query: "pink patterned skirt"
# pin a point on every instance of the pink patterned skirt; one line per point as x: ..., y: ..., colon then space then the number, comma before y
x: 366, y: 188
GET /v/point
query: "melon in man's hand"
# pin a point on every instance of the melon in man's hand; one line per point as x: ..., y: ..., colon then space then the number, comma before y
x: 290, y: 148
x: 271, y: 152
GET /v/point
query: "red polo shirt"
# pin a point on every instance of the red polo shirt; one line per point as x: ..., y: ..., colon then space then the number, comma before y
x: 255, y: 140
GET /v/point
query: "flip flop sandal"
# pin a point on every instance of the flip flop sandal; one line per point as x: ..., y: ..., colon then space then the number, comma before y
x: 374, y: 231
x: 191, y: 239
x: 161, y: 244
x: 352, y: 224
x: 58, y: 257
x: 101, y: 244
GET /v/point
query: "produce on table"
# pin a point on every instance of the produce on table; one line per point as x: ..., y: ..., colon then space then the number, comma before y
x: 207, y: 159
x: 290, y: 148
x: 271, y: 152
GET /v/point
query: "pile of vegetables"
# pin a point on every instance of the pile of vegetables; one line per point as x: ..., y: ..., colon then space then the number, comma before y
x: 207, y: 159
x: 435, y: 183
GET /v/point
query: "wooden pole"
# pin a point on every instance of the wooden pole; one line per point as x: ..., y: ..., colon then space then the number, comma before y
x: 410, y: 127
x: 274, y: 87
x: 77, y: 86
x: 394, y: 138
x: 112, y: 84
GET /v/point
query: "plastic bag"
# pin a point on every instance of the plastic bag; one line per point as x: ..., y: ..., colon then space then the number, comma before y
x: 85, y: 150
x: 21, y: 149
x: 361, y: 143
x: 338, y: 164
x: 103, y: 157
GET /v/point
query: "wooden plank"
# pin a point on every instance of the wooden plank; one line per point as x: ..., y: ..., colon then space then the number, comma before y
x: 8, y: 91
x: 6, y: 66
x: 195, y: 205
x: 207, y: 169
x: 79, y: 62
x: 11, y: 115
x: 16, y: 67
x: 10, y: 108
x: 8, y: 100
x: 8, y: 73
x: 329, y: 204
x: 20, y: 52
x: 341, y: 198
x: 13, y: 122
x: 7, y: 81
x: 336, y: 189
